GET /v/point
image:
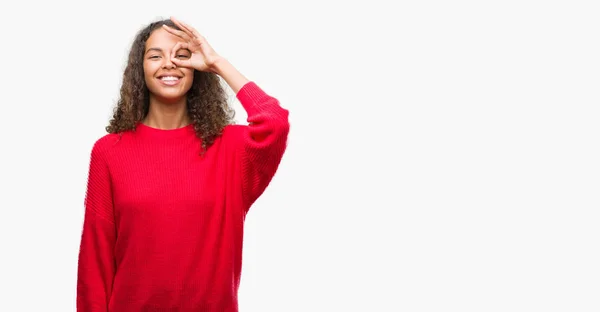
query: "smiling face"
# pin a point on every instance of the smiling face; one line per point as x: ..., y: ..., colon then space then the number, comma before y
x: 166, y: 82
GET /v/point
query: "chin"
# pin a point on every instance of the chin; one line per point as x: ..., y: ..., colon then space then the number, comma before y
x: 170, y: 97
x: 169, y: 94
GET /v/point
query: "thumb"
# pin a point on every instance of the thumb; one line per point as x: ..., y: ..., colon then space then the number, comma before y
x: 182, y: 63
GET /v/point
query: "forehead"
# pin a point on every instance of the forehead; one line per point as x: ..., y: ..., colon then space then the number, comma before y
x: 161, y: 38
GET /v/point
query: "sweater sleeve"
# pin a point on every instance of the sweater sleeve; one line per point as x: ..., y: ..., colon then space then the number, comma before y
x: 96, y: 265
x: 264, y: 140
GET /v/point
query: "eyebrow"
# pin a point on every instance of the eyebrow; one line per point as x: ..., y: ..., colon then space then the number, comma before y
x: 152, y: 49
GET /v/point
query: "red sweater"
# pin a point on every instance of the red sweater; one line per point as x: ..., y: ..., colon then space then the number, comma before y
x: 163, y: 227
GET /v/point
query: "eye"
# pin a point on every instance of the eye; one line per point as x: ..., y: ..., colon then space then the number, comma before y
x: 183, y: 56
x: 154, y: 56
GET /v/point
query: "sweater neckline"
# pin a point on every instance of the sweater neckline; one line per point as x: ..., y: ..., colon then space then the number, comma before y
x: 148, y: 131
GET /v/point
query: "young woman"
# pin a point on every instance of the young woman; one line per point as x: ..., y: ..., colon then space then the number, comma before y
x: 169, y: 186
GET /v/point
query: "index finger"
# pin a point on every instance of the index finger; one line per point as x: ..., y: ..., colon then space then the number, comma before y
x: 188, y: 29
x: 181, y: 34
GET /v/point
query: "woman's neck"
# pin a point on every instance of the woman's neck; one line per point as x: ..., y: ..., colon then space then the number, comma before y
x: 163, y: 115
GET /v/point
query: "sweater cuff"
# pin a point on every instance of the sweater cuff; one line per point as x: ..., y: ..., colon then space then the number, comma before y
x: 253, y: 98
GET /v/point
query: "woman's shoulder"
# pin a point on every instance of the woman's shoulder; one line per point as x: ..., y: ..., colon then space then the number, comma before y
x: 107, y: 139
x: 105, y: 143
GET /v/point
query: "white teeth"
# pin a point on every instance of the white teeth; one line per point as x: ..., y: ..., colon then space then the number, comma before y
x: 169, y: 78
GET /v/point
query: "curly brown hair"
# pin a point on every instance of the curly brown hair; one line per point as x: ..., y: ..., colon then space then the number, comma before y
x: 207, y: 104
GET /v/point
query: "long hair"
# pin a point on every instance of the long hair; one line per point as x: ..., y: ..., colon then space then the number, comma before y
x: 207, y: 104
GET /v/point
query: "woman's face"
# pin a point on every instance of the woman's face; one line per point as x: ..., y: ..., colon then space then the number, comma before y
x: 165, y: 81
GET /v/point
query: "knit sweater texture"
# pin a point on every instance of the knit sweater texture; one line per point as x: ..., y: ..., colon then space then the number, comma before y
x: 163, y: 226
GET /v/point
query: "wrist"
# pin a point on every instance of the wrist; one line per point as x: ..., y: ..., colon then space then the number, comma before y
x: 229, y: 73
x: 219, y: 66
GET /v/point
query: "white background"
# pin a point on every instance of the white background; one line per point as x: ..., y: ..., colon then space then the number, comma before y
x: 443, y: 154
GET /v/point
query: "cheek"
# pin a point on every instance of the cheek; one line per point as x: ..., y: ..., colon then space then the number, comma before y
x: 189, y: 74
x: 148, y: 74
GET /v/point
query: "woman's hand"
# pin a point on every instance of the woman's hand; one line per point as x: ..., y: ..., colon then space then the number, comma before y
x: 203, y: 56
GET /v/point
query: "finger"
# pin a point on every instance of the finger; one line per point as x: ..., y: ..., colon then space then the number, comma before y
x: 187, y: 63
x: 177, y: 33
x: 182, y: 27
x: 204, y: 46
x: 178, y: 62
x: 178, y: 46
x: 182, y: 63
x: 189, y: 29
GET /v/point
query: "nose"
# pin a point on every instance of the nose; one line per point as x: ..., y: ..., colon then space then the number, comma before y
x: 168, y: 64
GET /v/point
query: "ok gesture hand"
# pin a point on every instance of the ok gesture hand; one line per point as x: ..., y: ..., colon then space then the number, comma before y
x: 203, y: 56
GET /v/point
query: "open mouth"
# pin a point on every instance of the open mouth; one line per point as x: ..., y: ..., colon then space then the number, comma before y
x: 169, y: 80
